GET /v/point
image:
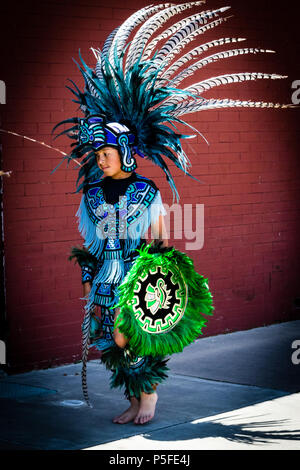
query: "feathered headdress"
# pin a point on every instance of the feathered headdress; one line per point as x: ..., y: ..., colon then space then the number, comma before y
x: 136, y: 83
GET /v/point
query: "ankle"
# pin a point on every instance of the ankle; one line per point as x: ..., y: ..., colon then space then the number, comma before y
x: 133, y: 400
x: 148, y: 396
x: 154, y: 387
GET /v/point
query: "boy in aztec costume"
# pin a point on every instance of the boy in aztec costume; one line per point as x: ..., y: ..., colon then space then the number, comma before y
x: 122, y: 187
x: 144, y: 302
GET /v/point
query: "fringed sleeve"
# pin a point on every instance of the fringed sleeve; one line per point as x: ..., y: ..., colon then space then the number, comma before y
x: 87, y: 226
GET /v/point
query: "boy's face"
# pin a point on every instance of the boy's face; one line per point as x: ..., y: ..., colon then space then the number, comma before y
x: 108, y: 160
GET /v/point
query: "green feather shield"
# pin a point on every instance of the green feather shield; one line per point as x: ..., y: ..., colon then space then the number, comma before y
x: 162, y: 302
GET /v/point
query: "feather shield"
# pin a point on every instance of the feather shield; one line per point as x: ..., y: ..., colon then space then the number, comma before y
x: 163, y: 302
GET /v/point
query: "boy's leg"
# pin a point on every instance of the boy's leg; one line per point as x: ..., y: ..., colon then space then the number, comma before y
x: 131, y: 412
x: 140, y: 411
x: 139, y: 375
x: 119, y: 338
x: 140, y: 379
x: 147, y: 406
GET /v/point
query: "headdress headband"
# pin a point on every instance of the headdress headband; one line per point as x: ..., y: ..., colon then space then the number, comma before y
x: 93, y: 131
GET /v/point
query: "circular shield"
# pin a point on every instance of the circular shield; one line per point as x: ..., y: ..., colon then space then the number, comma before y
x: 162, y: 300
x: 159, y: 300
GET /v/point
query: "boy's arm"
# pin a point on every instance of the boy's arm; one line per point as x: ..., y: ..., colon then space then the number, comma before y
x: 159, y: 231
x: 86, y: 288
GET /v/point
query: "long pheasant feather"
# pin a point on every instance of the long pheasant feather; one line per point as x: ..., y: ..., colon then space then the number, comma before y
x: 185, y: 41
x: 130, y: 24
x: 193, y: 25
x: 203, y: 105
x: 202, y: 16
x: 85, y: 350
x: 150, y: 27
x: 213, y: 58
x: 168, y: 72
x: 226, y: 79
x: 101, y: 54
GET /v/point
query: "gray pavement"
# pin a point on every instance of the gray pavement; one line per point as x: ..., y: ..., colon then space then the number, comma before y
x: 233, y: 391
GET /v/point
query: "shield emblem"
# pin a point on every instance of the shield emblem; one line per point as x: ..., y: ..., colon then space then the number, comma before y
x: 159, y: 300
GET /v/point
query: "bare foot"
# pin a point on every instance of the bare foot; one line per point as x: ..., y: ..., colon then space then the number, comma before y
x: 129, y: 414
x: 147, y: 408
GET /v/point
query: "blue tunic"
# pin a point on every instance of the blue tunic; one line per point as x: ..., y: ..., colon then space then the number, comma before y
x: 113, y: 218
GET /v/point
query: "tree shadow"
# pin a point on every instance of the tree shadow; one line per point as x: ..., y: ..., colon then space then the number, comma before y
x: 254, y: 432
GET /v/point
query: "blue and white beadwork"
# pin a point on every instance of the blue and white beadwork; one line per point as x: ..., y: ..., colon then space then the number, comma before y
x: 128, y: 160
x: 91, y: 131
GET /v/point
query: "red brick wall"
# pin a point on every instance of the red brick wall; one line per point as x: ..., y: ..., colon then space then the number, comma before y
x: 250, y: 174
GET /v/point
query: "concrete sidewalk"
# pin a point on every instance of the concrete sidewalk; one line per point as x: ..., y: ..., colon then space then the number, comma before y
x: 233, y: 391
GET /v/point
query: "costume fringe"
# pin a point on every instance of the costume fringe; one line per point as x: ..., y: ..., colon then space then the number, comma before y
x: 88, y: 230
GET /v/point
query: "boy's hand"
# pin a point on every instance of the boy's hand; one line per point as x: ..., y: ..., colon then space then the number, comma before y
x: 86, y: 288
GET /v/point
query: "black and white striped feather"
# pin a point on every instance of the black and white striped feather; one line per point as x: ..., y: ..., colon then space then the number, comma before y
x: 101, y: 54
x: 187, y: 31
x: 184, y: 42
x: 109, y: 42
x: 213, y: 58
x: 205, y: 15
x: 85, y: 350
x: 226, y: 79
x: 203, y: 105
x: 130, y: 24
x: 90, y: 84
x: 168, y: 72
x: 98, y: 67
x: 150, y: 27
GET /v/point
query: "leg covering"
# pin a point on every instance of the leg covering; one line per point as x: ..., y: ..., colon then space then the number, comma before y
x: 136, y: 374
